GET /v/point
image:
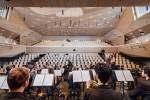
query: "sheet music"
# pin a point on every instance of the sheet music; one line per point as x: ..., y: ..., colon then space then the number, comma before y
x: 58, y: 72
x: 44, y: 71
x: 77, y: 76
x: 2, y: 79
x: 94, y: 73
x: 128, y: 75
x: 38, y: 80
x: 48, y: 80
x: 70, y: 73
x: 120, y: 75
x: 5, y: 84
x: 62, y: 70
x: 85, y: 75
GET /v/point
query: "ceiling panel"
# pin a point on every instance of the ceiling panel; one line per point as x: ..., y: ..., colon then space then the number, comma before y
x: 93, y: 21
x: 6, y: 33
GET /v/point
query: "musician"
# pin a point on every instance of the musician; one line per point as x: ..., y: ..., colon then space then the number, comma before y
x: 103, y: 91
x: 17, y: 80
x: 143, y: 88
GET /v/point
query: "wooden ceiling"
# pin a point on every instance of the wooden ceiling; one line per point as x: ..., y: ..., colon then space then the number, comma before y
x: 7, y: 33
x: 139, y: 32
x: 144, y: 30
x: 95, y: 21
x: 73, y: 3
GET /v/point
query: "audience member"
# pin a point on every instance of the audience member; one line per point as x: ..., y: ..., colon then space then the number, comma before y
x: 143, y: 88
x: 17, y: 80
x: 103, y: 91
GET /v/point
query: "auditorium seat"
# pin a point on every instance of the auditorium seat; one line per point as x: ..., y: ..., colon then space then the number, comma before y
x: 75, y: 43
x: 126, y: 63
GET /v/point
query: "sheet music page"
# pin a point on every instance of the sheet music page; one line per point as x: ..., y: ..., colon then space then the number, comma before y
x: 128, y: 75
x: 86, y: 76
x: 48, y: 80
x: 58, y: 72
x: 5, y: 84
x: 77, y: 77
x: 38, y: 81
x: 44, y: 71
x: 94, y: 73
x: 119, y: 75
x: 2, y: 79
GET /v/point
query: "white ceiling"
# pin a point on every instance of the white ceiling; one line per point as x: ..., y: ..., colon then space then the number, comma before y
x: 70, y: 21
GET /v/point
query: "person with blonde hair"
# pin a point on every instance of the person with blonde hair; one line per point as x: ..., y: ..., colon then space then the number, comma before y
x: 18, y: 80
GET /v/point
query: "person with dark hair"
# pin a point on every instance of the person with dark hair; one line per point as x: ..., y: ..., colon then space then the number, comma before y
x: 17, y: 80
x: 103, y: 91
x: 8, y: 68
x: 143, y: 87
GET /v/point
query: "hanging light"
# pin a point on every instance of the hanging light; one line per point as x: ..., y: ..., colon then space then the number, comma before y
x: 121, y: 9
x: 146, y: 8
x: 24, y: 19
x: 12, y: 8
x: 62, y: 12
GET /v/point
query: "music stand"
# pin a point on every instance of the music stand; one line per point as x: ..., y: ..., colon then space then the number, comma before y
x: 43, y: 80
x: 123, y: 76
x: 3, y: 82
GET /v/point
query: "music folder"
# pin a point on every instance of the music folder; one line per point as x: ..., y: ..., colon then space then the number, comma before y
x: 58, y: 72
x: 81, y: 76
x: 123, y: 75
x: 3, y: 82
x: 43, y: 80
x: 44, y: 71
x: 92, y: 74
x: 48, y: 80
x: 2, y: 79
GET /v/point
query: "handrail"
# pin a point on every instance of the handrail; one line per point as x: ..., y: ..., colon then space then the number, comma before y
x: 10, y: 44
x: 129, y: 45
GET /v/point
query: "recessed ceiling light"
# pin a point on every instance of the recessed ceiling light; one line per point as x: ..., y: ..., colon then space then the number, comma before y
x: 130, y: 33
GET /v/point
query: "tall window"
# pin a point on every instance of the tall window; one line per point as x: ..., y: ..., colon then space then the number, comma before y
x: 140, y: 11
x: 3, y: 12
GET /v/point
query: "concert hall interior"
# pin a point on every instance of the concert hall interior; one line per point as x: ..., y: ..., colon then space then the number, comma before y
x: 74, y: 49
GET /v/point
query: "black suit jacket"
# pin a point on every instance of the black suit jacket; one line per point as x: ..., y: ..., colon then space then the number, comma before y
x: 143, y: 89
x: 102, y: 92
x: 15, y: 96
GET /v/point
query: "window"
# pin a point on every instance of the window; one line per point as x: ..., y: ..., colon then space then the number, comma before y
x: 3, y: 12
x: 140, y: 11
